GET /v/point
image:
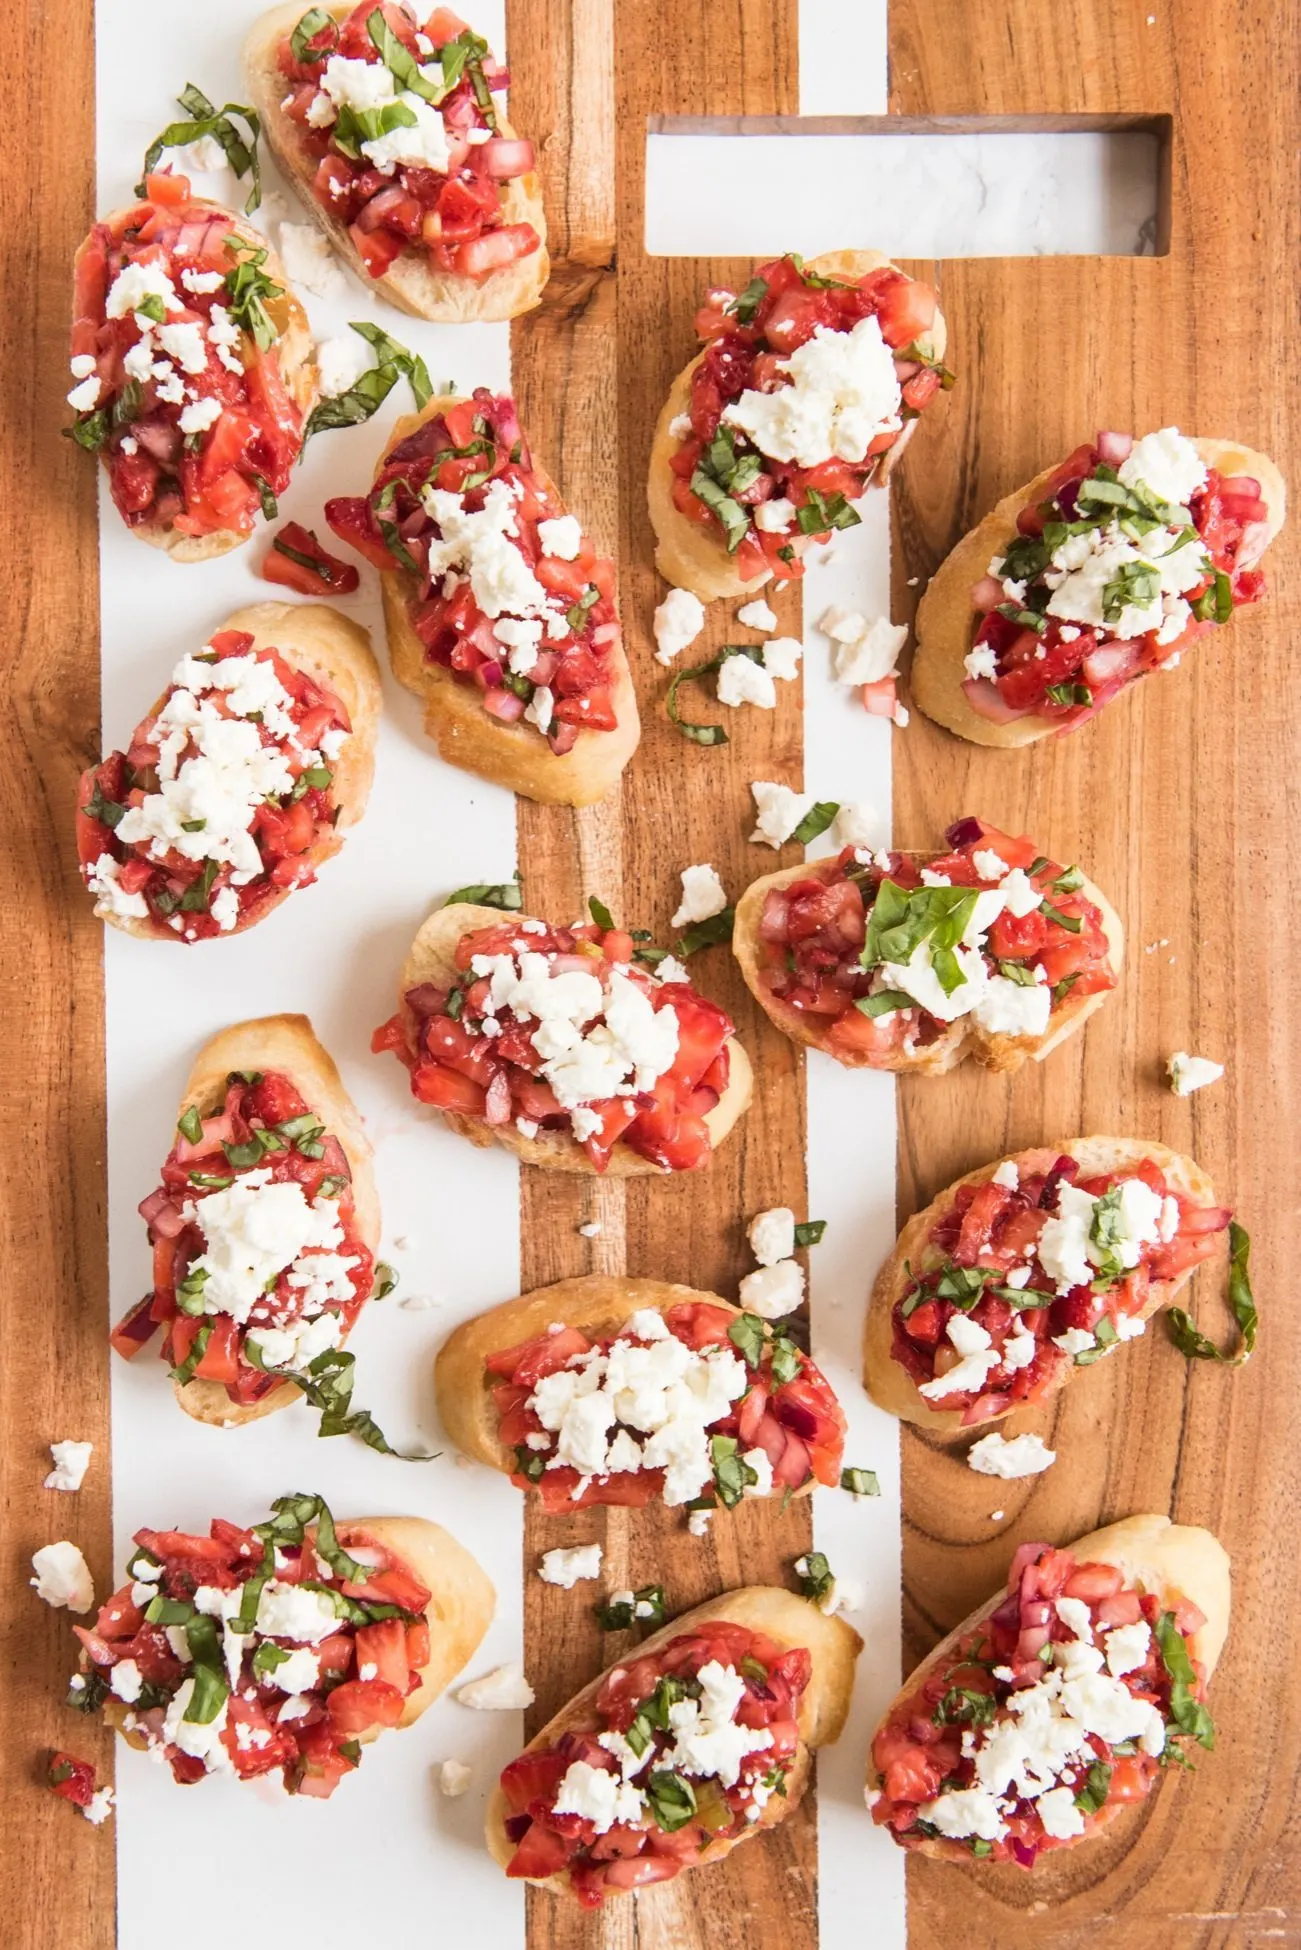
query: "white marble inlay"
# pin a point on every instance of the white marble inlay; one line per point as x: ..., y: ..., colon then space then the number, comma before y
x: 1006, y: 194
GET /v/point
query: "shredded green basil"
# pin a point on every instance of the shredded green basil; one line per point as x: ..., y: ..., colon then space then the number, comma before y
x: 707, y: 934
x: 817, y: 1577
x: 748, y: 1336
x: 860, y: 1482
x: 808, y: 1232
x: 816, y: 820
x: 505, y: 895
x: 619, y: 1616
x: 1187, y: 1714
x: 1192, y: 1342
x: 239, y: 146
x: 395, y: 361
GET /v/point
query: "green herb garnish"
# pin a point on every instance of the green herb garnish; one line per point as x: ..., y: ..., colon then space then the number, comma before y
x: 239, y: 147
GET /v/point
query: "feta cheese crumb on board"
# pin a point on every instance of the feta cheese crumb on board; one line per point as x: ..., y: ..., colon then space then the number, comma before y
x: 1189, y: 1073
x: 71, y: 1461
x: 503, y: 1690
x: 567, y: 1568
x: 1009, y: 1457
x: 62, y: 1577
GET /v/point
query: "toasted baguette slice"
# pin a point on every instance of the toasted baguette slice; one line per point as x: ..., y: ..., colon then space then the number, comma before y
x: 412, y: 284
x: 1172, y: 1560
x: 296, y: 352
x: 824, y: 1705
x: 287, y: 1044
x: 460, y: 1609
x: 696, y: 558
x: 316, y: 639
x: 513, y: 755
x: 959, y: 1039
x: 431, y: 959
x: 890, y: 1385
x: 945, y: 615
x: 597, y: 1303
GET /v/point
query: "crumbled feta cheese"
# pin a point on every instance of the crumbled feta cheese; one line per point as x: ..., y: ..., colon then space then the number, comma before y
x: 200, y: 414
x: 680, y: 426
x: 100, y: 1806
x: 1059, y: 1814
x: 126, y: 1681
x: 774, y: 1290
x: 698, y: 1523
x: 134, y: 285
x: 870, y: 653
x: 1007, y: 1008
x: 85, y: 396
x: 670, y: 969
x: 453, y: 1779
x: 703, y: 896
x: 1075, y: 1341
x: 779, y: 811
x: 781, y: 657
x: 483, y: 543
x: 1169, y: 466
x: 561, y: 536
x: 757, y: 1460
x: 971, y: 1372
x: 678, y: 621
x: 290, y: 1611
x: 982, y: 661
x: 742, y: 681
x: 757, y: 615
x: 71, y: 1460
x: 772, y: 1235
x: 774, y: 516
x: 1189, y: 1073
x: 82, y: 365
x: 503, y: 1690
x: 841, y: 391
x: 1008, y: 1174
x: 1023, y: 1455
x: 707, y: 1738
x: 62, y: 1577
x: 253, y: 1231
x: 568, y: 1567
x: 599, y: 1797
x: 856, y: 824
x: 200, y: 1739
x: 1127, y: 1647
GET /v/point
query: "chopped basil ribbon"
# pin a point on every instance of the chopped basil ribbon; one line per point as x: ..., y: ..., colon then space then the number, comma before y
x: 268, y: 1656
x: 354, y: 126
x: 1093, y: 1790
x: 1025, y: 559
x: 211, y: 1691
x: 89, y: 1697
x: 208, y: 1181
x: 312, y: 562
x: 748, y: 1336
x: 1019, y: 973
x: 706, y: 734
x: 506, y: 896
x: 817, y: 1577
x: 1071, y: 922
x: 963, y: 1285
x: 744, y: 306
x: 614, y: 1616
x: 190, y: 1124
x: 314, y: 22
x: 1069, y: 694
x: 248, y: 291
x: 822, y: 512
x: 184, y: 1371
x: 884, y: 1002
x: 576, y: 616
x: 1242, y: 1305
x: 1063, y: 988
x: 1215, y: 605
x: 809, y: 1232
x: 399, y: 60
x: 816, y: 820
x: 733, y: 1475
x: 786, y: 1360
x: 90, y: 431
x: 672, y: 1800
x: 860, y: 1482
x: 386, y: 1280
x: 1189, y: 1715
x: 720, y: 474
x: 189, y: 1294
x: 465, y: 55
x: 815, y: 280
x: 289, y: 1522
x: 196, y: 896
x: 529, y: 1463
x: 126, y: 407
x: 352, y: 408
x: 327, y: 1383
x: 707, y: 934
x: 600, y: 913
x: 900, y: 921
x: 1136, y: 583
x: 1025, y: 619
x: 169, y: 1611
x: 965, y: 1706
x: 240, y: 149
x: 1069, y: 882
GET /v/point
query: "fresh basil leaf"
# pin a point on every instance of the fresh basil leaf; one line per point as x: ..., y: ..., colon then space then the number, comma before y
x: 963, y: 1285
x: 1191, y: 1341
x: 506, y: 896
x: 1025, y: 619
x: 823, y: 512
x: 1069, y: 882
x: 732, y: 1474
x: 386, y: 1280
x: 1092, y: 1792
x: 734, y: 518
x: 90, y: 1696
x: 748, y: 1336
x: 211, y: 1691
x: 399, y: 60
x: 860, y: 1482
x: 391, y: 352
x: 190, y: 1125
x: 189, y: 1294
x: 163, y: 1610
x: 1025, y: 558
x: 1215, y: 604
x: 816, y: 820
x: 208, y: 1181
x: 817, y: 1577
x: 577, y: 614
x: 125, y: 410
x: 327, y: 1384
x: 1071, y: 922
x: 672, y: 1800
x: 746, y: 303
x: 884, y: 1002
x: 706, y: 934
x: 268, y: 1656
x: 353, y: 127
x: 965, y: 1706
x: 184, y: 1371
x: 240, y: 147
x: 1189, y: 1714
x: 809, y: 1232
x: 314, y: 22
x: 706, y: 734
x: 619, y: 1616
x: 1063, y: 988
x: 1018, y: 972
x: 1069, y: 694
x: 600, y: 914
x: 1134, y: 583
x: 352, y: 408
x: 90, y: 431
x: 528, y: 1462
x: 787, y: 1360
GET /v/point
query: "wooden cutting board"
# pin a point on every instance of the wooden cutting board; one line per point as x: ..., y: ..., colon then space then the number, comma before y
x: 1182, y: 802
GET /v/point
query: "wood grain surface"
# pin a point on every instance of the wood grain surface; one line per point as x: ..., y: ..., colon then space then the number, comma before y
x: 1181, y: 802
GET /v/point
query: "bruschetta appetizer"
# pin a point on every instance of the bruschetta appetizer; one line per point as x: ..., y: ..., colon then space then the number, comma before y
x: 391, y: 136
x: 500, y: 614
x: 804, y: 396
x: 1049, y: 1711
x: 284, y: 1648
x: 554, y: 1042
x: 904, y: 961
x: 241, y: 781
x: 1106, y: 567
x: 264, y: 1226
x: 701, y: 1739
x: 1028, y: 1269
x: 515, y: 1391
x: 194, y: 369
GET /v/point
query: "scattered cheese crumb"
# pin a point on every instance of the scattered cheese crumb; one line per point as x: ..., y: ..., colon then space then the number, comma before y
x: 99, y: 1807
x: 418, y: 1303
x: 1024, y: 1455
x: 503, y: 1690
x: 856, y: 824
x: 757, y: 615
x: 453, y: 1778
x: 678, y: 621
x: 71, y: 1460
x: 742, y: 681
x: 781, y: 657
x: 779, y: 811
x: 62, y: 1577
x: 698, y: 1522
x: 1189, y: 1073
x: 570, y: 1567
x: 772, y: 1235
x: 774, y: 1290
x: 865, y: 652
x: 591, y: 1229
x: 309, y: 260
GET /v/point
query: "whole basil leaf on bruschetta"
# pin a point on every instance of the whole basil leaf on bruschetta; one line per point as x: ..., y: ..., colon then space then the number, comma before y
x: 240, y: 782
x: 555, y: 1043
x: 501, y: 616
x: 284, y: 1648
x: 804, y: 396
x: 907, y: 961
x: 1029, y: 1269
x: 1051, y: 1710
x: 393, y: 135
x: 194, y: 369
x: 264, y: 1226
x: 1104, y: 569
x: 713, y: 1385
x: 706, y: 1736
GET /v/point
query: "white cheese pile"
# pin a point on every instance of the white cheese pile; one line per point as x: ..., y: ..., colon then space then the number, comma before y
x: 419, y: 140
x: 842, y: 390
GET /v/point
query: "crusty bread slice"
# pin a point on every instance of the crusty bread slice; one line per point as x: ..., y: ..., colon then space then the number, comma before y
x: 695, y: 557
x: 327, y: 645
x: 946, y: 617
x: 959, y: 1039
x: 431, y: 959
x: 412, y: 283
x: 823, y: 1708
x: 890, y: 1385
x: 1173, y: 1560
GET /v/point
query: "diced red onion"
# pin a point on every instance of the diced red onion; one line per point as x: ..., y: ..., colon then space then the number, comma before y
x: 965, y: 832
x: 496, y: 1107
x: 987, y: 594
x: 159, y: 1212
x: 504, y: 705
x: 1025, y: 1854
x: 987, y: 701
x: 425, y: 1000
x: 607, y: 633
x: 1113, y: 448
x: 506, y: 156
x: 489, y: 674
